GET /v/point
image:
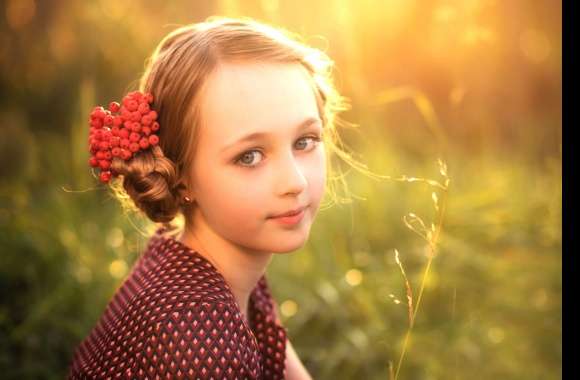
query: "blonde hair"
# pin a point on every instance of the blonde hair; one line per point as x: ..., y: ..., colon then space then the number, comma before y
x: 175, y: 75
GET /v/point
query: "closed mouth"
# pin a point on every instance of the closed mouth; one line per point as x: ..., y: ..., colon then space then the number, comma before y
x: 290, y: 213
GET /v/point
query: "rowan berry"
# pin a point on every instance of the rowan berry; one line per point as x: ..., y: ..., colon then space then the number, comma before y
x: 105, y: 176
x: 136, y: 127
x: 96, y: 123
x: 134, y: 147
x: 124, y: 133
x: 104, y: 145
x: 132, y: 105
x: 124, y: 143
x: 117, y: 121
x: 153, y: 139
x: 125, y: 114
x: 143, y: 108
x: 108, y: 120
x: 125, y: 154
x: 146, y: 120
x: 114, y: 106
x: 134, y: 137
x: 105, y: 164
x: 144, y: 143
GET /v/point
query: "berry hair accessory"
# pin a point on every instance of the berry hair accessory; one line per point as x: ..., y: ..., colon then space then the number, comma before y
x: 121, y: 131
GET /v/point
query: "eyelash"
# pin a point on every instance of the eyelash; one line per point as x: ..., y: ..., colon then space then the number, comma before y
x: 316, y: 140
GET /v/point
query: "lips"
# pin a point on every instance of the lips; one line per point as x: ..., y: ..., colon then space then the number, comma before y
x: 289, y: 213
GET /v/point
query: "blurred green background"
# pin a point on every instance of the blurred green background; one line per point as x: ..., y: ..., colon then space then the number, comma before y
x: 476, y: 83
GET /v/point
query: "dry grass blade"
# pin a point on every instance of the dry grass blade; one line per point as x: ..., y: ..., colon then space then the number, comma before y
x: 407, y: 287
x: 411, y: 218
x: 435, y: 201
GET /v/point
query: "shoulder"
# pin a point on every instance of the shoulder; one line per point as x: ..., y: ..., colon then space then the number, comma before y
x: 211, y: 322
x: 172, y: 306
x: 205, y: 340
x: 194, y: 340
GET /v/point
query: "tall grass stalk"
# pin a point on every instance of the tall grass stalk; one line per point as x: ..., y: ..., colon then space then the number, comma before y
x: 412, y: 221
x: 431, y: 236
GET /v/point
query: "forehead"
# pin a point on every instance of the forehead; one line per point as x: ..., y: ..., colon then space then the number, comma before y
x: 241, y: 98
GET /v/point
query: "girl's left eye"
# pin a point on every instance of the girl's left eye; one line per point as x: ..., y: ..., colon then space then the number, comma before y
x: 315, y: 139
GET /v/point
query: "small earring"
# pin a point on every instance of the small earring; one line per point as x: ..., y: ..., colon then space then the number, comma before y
x: 187, y: 199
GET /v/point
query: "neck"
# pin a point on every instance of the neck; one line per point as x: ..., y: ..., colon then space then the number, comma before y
x: 240, y: 267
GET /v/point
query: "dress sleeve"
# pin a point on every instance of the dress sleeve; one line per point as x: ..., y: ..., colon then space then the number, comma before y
x: 203, y: 342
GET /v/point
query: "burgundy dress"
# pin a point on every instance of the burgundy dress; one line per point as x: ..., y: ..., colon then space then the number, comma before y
x: 175, y: 317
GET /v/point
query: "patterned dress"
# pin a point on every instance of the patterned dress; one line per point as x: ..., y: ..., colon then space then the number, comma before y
x: 175, y: 317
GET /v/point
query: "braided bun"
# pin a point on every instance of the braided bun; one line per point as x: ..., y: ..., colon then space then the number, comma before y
x: 150, y: 180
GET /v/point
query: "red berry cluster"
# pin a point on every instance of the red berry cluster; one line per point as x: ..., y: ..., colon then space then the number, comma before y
x: 121, y: 131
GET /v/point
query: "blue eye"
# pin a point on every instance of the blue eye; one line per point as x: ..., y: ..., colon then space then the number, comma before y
x: 245, y: 159
x: 247, y: 154
x: 316, y: 139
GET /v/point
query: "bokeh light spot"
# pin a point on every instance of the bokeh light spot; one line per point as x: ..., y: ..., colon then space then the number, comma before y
x: 118, y: 268
x: 354, y: 277
x: 115, y: 238
x: 495, y: 335
x: 19, y: 13
x: 288, y: 308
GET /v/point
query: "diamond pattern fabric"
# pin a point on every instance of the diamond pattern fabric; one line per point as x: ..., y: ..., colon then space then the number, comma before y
x: 175, y: 317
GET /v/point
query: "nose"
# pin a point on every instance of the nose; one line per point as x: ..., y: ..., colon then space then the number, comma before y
x: 290, y: 176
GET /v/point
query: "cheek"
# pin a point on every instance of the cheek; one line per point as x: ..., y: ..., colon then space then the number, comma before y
x: 233, y: 200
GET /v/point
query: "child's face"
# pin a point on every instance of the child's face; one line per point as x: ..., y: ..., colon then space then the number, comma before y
x: 284, y: 172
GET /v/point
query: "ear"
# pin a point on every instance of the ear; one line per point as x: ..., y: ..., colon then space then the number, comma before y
x: 182, y: 190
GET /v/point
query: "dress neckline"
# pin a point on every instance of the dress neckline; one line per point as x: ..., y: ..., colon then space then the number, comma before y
x: 261, y: 319
x: 253, y: 303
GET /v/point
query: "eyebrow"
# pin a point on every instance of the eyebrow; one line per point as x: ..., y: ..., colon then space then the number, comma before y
x: 257, y: 135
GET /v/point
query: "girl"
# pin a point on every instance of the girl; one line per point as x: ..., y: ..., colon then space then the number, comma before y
x: 227, y: 132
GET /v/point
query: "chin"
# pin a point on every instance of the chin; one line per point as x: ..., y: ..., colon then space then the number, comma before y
x: 289, y: 244
x: 286, y: 251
